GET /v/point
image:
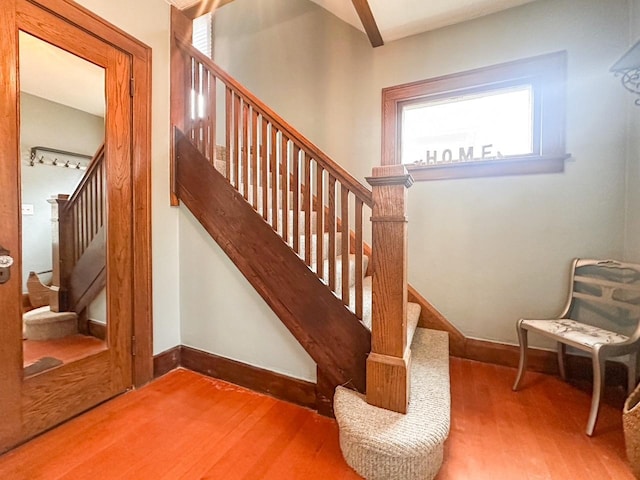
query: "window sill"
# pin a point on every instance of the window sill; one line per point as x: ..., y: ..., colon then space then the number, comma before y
x: 525, y: 165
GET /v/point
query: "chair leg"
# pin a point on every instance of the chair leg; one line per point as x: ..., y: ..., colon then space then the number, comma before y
x: 598, y: 388
x: 562, y: 351
x: 522, y: 338
x: 632, y: 372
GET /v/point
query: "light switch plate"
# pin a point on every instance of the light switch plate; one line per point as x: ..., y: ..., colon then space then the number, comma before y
x: 27, y: 209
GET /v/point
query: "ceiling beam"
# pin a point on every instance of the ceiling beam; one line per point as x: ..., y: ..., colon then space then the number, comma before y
x: 204, y: 6
x: 368, y: 22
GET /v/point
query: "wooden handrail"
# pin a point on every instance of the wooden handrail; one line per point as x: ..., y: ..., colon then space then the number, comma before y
x: 322, y: 158
x: 287, y: 181
x: 327, y: 331
x: 267, y: 160
x: 80, y: 234
x: 95, y: 162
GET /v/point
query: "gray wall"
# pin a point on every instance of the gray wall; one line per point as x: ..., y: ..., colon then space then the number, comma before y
x: 484, y: 251
x: 50, y: 124
x: 148, y: 21
x: 632, y: 232
x: 483, y: 267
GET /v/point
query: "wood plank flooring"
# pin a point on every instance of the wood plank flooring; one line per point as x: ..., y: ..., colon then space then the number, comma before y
x: 535, y: 433
x: 186, y: 426
x: 66, y: 349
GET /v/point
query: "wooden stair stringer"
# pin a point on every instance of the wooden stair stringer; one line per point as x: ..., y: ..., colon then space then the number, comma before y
x: 332, y: 335
x: 89, y: 275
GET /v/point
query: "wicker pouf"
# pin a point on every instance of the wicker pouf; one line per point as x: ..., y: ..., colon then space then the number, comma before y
x: 631, y: 426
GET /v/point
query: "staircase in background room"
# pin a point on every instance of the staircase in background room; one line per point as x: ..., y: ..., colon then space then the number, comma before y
x: 79, y: 257
x: 292, y: 220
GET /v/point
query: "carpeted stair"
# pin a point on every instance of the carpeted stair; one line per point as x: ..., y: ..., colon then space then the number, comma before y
x: 377, y: 443
x: 384, y: 445
x: 43, y: 324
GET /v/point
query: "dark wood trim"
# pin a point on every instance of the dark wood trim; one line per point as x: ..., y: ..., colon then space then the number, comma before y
x: 41, y: 401
x: 430, y: 317
x: 140, y: 53
x: 89, y: 276
x: 83, y: 18
x: 181, y: 28
x: 241, y: 92
x: 142, y: 247
x: 331, y: 334
x: 97, y: 329
x: 279, y: 386
x: 166, y: 361
x: 546, y: 74
x: 324, y: 394
x: 11, y: 291
x: 489, y: 168
x: 368, y: 22
x: 578, y: 367
x: 96, y: 162
x: 205, y: 6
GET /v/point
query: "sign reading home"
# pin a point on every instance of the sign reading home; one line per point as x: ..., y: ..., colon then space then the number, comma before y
x: 460, y: 154
x: 464, y: 128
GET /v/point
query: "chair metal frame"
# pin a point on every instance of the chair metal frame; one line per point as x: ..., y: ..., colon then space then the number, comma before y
x: 599, y: 351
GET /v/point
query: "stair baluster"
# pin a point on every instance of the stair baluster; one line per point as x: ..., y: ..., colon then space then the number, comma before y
x: 80, y: 221
x: 297, y: 189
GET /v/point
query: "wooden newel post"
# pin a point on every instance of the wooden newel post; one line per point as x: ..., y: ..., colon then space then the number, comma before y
x: 388, y: 364
x: 60, y: 245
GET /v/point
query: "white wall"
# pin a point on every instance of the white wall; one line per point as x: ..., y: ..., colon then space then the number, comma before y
x: 49, y: 124
x: 148, y: 21
x: 220, y: 311
x: 632, y: 232
x: 484, y: 251
x: 483, y: 266
x: 223, y: 314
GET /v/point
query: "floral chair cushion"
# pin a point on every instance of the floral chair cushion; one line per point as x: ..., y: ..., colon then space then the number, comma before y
x: 581, y: 333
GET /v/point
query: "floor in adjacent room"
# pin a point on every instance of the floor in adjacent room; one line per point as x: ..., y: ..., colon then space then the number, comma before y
x: 186, y: 426
x: 66, y: 349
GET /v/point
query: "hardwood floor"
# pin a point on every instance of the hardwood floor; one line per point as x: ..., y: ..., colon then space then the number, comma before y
x: 66, y: 349
x: 535, y: 433
x: 186, y: 426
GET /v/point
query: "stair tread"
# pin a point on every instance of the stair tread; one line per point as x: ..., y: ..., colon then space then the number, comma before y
x: 379, y: 443
x: 413, y: 309
x: 365, y: 264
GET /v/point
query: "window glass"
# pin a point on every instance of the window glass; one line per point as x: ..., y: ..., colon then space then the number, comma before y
x: 203, y: 34
x: 486, y: 125
x: 504, y: 119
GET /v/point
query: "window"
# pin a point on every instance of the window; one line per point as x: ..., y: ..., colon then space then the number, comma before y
x: 501, y: 120
x: 202, y: 39
x: 203, y: 34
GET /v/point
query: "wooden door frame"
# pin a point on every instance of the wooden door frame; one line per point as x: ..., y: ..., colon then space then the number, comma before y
x: 80, y: 17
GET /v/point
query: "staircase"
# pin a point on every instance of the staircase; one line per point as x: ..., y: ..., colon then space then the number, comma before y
x: 79, y: 256
x: 79, y: 259
x: 292, y: 221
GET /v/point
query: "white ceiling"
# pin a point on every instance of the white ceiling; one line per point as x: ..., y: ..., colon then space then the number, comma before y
x: 59, y: 76
x: 182, y: 4
x: 49, y: 72
x: 401, y: 18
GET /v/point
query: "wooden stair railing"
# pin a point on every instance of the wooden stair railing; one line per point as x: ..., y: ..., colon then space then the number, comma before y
x: 280, y: 174
x: 79, y: 257
x: 263, y: 151
x: 314, y: 315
